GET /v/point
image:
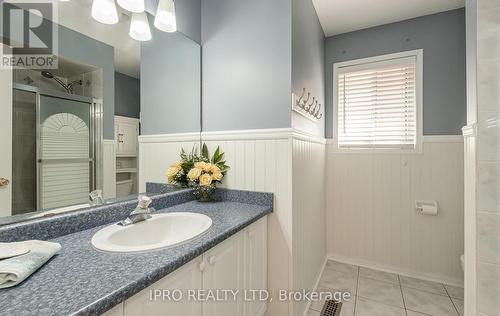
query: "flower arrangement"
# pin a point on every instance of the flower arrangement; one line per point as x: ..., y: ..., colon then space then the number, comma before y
x: 200, y: 172
x: 178, y: 171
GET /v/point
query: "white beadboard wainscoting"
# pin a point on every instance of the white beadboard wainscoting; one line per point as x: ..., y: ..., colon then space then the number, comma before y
x: 158, y: 152
x: 371, y: 217
x: 284, y: 162
x: 291, y: 165
x: 262, y: 161
x: 108, y: 169
x: 309, y: 203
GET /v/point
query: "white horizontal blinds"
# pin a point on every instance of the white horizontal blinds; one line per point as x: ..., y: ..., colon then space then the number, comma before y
x: 377, y: 105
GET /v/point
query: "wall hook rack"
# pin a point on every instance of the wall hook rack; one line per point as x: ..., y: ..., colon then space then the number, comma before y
x: 307, y: 107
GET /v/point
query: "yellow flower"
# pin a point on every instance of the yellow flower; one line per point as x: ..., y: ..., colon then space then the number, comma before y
x: 172, y: 172
x: 214, y: 169
x: 207, y: 167
x: 200, y: 165
x: 194, y: 174
x: 217, y: 176
x: 205, y: 179
x: 177, y: 164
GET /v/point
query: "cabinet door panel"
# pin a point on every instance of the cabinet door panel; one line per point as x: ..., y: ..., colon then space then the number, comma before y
x: 186, y: 278
x: 117, y: 138
x: 255, y: 259
x: 224, y: 271
x: 130, y: 135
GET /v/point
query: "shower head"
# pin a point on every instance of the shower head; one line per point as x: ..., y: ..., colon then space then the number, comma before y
x: 50, y: 75
x: 47, y: 74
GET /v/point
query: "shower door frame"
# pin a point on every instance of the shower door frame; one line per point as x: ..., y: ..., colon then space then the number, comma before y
x: 95, y: 130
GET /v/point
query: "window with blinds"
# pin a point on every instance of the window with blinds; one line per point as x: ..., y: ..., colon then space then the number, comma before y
x: 377, y: 104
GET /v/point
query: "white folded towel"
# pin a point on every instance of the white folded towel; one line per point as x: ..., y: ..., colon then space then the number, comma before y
x: 16, y: 269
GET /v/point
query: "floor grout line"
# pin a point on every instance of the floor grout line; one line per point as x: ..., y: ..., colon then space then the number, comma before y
x: 356, y: 300
x: 451, y: 299
x: 402, y: 296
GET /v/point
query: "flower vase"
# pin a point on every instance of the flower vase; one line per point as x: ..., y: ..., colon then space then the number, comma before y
x: 205, y: 193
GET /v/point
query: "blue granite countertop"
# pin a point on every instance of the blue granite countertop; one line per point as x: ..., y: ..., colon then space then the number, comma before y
x: 84, y: 281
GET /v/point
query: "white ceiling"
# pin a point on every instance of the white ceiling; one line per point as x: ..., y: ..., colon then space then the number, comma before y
x: 342, y: 16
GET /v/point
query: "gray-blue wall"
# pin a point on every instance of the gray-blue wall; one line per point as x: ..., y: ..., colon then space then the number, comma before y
x: 127, y: 96
x: 246, y: 64
x: 170, y: 84
x: 441, y: 36
x: 308, y: 63
x: 86, y: 50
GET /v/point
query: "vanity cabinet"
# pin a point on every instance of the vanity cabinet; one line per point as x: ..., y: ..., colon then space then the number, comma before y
x: 255, y: 266
x: 186, y: 278
x: 224, y: 270
x: 238, y: 263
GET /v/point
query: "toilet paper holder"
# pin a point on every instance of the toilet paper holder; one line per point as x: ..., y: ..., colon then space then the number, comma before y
x: 427, y: 207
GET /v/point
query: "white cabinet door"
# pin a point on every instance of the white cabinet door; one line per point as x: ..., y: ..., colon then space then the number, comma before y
x: 117, y: 137
x: 224, y: 271
x: 126, y: 136
x: 130, y: 133
x: 154, y: 301
x: 255, y: 266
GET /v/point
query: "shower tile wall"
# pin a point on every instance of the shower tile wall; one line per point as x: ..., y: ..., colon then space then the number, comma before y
x: 488, y: 216
x: 35, y: 79
x: 91, y: 82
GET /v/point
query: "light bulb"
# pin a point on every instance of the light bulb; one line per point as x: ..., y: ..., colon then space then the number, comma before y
x: 135, y: 6
x: 139, y: 27
x: 165, y: 16
x: 104, y: 11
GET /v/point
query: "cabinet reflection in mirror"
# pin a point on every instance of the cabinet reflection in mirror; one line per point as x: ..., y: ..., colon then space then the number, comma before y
x: 72, y: 128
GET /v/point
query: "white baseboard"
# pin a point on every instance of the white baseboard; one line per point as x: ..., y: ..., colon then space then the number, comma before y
x: 316, y: 283
x: 397, y: 270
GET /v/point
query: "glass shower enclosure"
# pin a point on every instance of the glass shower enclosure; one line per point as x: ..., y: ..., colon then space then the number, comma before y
x: 56, y: 148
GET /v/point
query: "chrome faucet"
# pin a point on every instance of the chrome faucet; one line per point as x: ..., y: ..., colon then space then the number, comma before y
x: 95, y: 198
x: 141, y: 213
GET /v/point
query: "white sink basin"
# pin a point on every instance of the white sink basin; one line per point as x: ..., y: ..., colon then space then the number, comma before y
x: 160, y: 231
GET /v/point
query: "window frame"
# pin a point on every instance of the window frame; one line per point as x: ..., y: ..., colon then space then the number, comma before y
x: 419, y: 54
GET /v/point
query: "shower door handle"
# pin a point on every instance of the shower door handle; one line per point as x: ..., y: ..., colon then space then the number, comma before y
x: 4, y: 182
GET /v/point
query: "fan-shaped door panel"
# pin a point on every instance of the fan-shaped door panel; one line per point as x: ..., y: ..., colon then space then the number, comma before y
x: 65, y: 152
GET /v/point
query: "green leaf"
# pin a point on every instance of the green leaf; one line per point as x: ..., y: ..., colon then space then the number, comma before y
x: 204, y: 152
x: 215, y: 158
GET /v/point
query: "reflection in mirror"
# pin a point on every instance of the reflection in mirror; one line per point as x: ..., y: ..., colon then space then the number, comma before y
x: 70, y: 133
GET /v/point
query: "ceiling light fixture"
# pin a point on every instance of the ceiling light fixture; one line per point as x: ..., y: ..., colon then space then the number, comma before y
x: 104, y: 11
x: 135, y: 6
x: 139, y: 27
x: 165, y: 16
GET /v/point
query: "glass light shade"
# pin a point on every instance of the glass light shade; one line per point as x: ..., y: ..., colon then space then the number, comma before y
x: 104, y: 11
x: 135, y: 6
x: 139, y: 27
x: 165, y: 16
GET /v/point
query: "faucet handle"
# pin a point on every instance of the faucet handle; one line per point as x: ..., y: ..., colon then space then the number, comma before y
x: 95, y: 197
x: 144, y: 202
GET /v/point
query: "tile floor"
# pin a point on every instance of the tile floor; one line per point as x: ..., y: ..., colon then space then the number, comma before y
x: 377, y: 293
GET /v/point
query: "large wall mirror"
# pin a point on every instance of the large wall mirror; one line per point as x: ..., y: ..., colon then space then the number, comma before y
x: 69, y: 134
